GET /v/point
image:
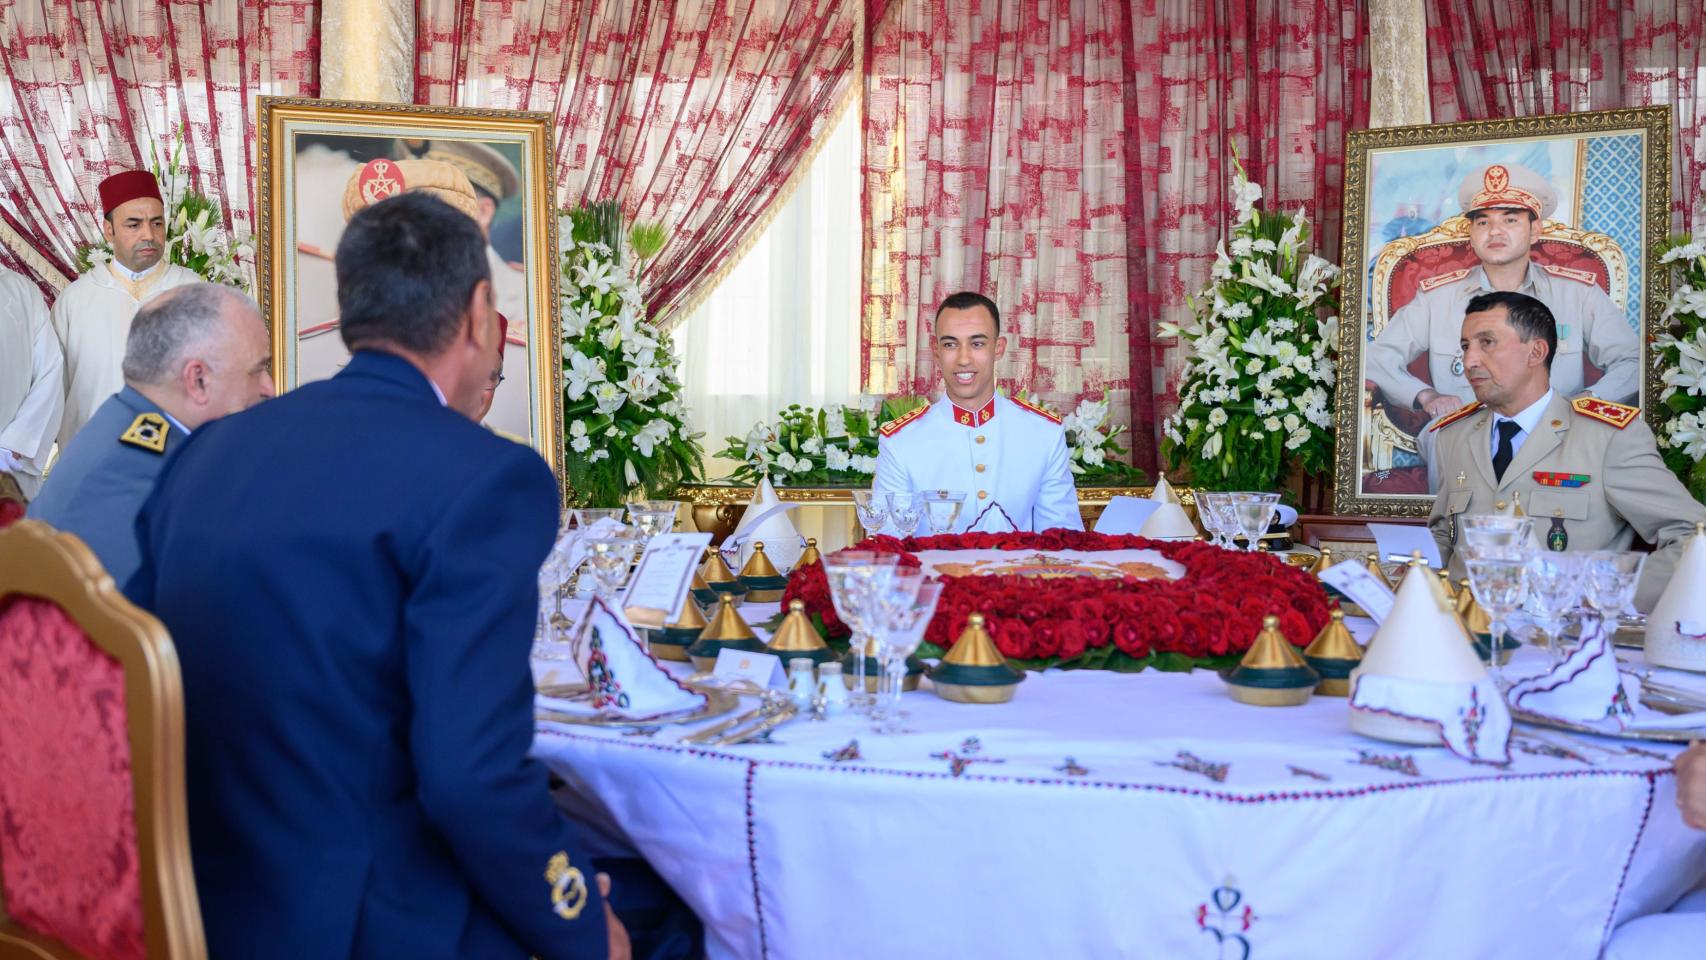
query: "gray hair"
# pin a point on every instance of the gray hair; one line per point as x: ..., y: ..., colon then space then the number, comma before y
x: 171, y: 327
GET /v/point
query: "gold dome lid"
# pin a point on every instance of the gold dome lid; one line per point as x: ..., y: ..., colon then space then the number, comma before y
x: 699, y: 584
x: 714, y: 570
x: 688, y: 617
x: 796, y: 634
x: 1446, y: 588
x: 975, y: 647
x: 1334, y: 642
x: 728, y: 624
x: 758, y: 566
x: 1322, y: 562
x: 1271, y: 651
x: 810, y: 554
x: 1372, y: 561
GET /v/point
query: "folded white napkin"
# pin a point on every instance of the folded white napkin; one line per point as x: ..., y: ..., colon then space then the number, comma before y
x: 1471, y: 716
x: 623, y: 680
x: 1584, y: 688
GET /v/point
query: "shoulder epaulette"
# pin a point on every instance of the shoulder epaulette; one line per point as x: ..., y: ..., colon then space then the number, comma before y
x: 1571, y: 273
x: 1456, y: 415
x: 893, y: 426
x: 147, y: 431
x: 1037, y: 409
x: 1433, y: 283
x: 1617, y: 414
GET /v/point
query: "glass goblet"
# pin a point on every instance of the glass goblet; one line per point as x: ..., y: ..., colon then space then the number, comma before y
x: 884, y: 603
x: 850, y: 573
x: 1491, y: 534
x: 585, y: 517
x: 608, y: 559
x: 942, y: 509
x: 872, y: 509
x: 1610, y: 582
x: 1208, y: 511
x: 1554, y: 589
x: 1225, y: 520
x: 905, y: 510
x: 1254, y: 512
x: 904, y: 631
x: 1499, y: 586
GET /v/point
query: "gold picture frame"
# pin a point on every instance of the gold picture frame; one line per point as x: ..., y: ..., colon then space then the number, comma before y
x: 1402, y: 224
x: 312, y: 151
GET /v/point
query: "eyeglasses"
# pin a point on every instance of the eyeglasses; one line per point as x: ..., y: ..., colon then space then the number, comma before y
x: 496, y: 379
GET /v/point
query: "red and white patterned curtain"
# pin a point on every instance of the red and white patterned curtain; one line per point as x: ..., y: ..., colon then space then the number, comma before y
x: 1534, y: 57
x: 89, y: 88
x: 692, y: 113
x: 997, y: 160
x: 1276, y: 81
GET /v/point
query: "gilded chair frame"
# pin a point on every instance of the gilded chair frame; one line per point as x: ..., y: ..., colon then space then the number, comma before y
x: 38, y: 561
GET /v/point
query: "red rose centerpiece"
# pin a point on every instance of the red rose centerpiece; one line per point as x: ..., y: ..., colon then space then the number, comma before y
x: 1207, y: 617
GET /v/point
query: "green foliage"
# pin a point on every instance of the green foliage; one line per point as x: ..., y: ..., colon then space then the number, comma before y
x: 1679, y: 351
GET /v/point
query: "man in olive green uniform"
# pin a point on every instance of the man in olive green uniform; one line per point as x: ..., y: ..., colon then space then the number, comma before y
x: 1506, y: 205
x: 1588, y: 470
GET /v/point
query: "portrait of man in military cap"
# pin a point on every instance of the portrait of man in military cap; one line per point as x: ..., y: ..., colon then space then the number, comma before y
x: 320, y: 168
x: 1428, y: 226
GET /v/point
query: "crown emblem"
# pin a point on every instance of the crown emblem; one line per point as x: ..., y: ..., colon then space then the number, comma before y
x: 568, y: 887
x: 380, y: 179
x: 1497, y: 179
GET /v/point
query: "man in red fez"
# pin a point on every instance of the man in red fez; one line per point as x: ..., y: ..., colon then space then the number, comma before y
x: 92, y: 316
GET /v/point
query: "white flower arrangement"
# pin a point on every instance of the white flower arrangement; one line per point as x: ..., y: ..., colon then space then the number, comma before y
x: 807, y: 446
x: 1680, y: 353
x: 626, y: 426
x: 1256, y: 395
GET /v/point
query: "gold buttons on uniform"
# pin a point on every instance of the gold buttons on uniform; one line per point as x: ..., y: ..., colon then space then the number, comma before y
x: 1557, y: 423
x: 983, y: 494
x: 980, y: 468
x: 1558, y: 512
x: 1499, y: 506
x: 979, y: 438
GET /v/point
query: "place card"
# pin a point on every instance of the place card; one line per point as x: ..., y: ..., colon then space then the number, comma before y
x: 660, y: 582
x: 763, y: 670
x: 1397, y: 542
x: 1353, y: 580
x: 1125, y: 515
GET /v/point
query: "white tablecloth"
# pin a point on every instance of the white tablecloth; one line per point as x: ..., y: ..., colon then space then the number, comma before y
x: 1199, y: 827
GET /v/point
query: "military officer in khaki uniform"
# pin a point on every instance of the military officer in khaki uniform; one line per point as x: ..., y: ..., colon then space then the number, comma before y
x: 1588, y: 470
x: 1506, y: 205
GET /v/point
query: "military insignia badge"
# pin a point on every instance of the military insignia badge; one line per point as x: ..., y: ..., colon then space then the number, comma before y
x: 1457, y: 366
x: 1557, y: 540
x: 1037, y: 409
x: 147, y: 431
x: 1456, y: 415
x: 1549, y: 478
x: 893, y: 426
x: 1616, y: 414
x: 380, y: 179
x: 568, y: 887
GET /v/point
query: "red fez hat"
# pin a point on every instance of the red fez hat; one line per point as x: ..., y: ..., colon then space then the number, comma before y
x: 121, y: 188
x: 503, y: 334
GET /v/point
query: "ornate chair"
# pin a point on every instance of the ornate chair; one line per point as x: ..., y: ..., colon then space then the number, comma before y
x: 1398, y: 272
x: 94, y: 840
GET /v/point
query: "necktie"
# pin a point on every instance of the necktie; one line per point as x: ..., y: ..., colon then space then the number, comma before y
x: 1508, y: 429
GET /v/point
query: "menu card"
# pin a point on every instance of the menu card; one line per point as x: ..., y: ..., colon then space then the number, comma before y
x: 660, y: 582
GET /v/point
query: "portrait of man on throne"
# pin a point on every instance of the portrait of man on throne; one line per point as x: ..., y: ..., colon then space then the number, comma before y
x: 1436, y: 215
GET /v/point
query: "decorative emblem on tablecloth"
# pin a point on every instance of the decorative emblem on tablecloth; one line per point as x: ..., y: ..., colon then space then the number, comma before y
x: 1222, y: 918
x: 1297, y: 771
x: 1542, y: 748
x: 1396, y: 762
x: 957, y: 763
x: 1072, y: 768
x: 971, y: 745
x: 1191, y: 763
x: 849, y: 752
x: 568, y: 886
x: 1472, y: 718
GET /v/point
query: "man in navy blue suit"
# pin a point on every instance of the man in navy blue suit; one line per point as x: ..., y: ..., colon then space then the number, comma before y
x: 349, y: 574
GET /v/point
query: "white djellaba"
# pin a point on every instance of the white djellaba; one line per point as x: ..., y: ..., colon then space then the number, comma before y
x: 1676, y: 629
x: 1420, y: 640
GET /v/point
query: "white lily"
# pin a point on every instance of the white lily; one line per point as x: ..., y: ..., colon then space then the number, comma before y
x: 583, y: 372
x: 608, y: 398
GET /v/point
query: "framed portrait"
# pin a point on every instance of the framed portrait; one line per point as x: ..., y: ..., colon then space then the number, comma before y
x: 322, y: 160
x: 1568, y: 207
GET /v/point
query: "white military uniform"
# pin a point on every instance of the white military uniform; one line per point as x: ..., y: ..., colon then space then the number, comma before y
x: 32, y: 383
x: 1009, y: 459
x: 92, y: 319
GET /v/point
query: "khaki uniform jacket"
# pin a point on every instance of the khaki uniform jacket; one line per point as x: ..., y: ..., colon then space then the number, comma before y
x: 1629, y: 490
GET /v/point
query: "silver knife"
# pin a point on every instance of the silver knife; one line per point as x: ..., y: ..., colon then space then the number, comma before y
x: 767, y: 724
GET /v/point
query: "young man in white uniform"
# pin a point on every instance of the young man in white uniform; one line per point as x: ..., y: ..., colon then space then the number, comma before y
x: 1008, y: 457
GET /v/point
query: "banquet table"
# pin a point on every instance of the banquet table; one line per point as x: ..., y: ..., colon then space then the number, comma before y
x: 1106, y: 814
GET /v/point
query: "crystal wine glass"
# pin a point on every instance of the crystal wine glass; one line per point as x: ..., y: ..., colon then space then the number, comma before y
x: 872, y: 508
x: 851, y: 573
x: 608, y: 558
x: 905, y: 510
x: 585, y: 517
x: 1499, y: 586
x: 1225, y: 520
x: 1253, y: 512
x: 1491, y: 534
x: 886, y: 602
x: 1208, y: 511
x: 942, y: 509
x: 653, y: 517
x: 1554, y: 589
x: 904, y: 631
x: 1612, y: 576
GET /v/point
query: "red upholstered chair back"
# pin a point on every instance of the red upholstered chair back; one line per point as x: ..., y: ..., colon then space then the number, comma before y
x: 11, y: 511
x: 94, y: 846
